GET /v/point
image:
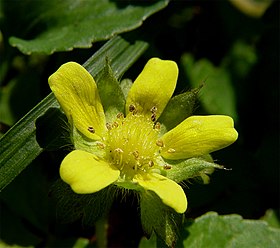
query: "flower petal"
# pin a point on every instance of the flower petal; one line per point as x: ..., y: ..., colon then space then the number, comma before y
x: 198, y: 135
x: 86, y: 173
x: 154, y: 87
x: 170, y: 192
x: 76, y: 91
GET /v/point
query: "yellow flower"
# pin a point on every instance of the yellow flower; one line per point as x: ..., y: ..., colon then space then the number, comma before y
x: 130, y: 151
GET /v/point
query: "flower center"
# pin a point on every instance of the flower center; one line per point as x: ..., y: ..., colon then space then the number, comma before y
x: 131, y: 144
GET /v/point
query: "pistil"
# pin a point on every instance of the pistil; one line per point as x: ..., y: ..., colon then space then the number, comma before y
x: 131, y: 144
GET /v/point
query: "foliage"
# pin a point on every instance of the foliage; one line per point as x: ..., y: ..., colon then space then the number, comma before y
x: 211, y: 230
x: 86, y: 22
x: 229, y: 49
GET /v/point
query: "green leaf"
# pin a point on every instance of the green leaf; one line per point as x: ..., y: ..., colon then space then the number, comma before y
x: 241, y: 59
x: 4, y: 245
x: 12, y: 224
x: 20, y: 210
x: 64, y: 25
x: 13, y: 104
x: 148, y: 243
x: 81, y: 243
x: 6, y: 112
x: 229, y: 231
x: 217, y: 96
x: 252, y: 8
x: 157, y: 217
x: 272, y: 218
x: 19, y: 146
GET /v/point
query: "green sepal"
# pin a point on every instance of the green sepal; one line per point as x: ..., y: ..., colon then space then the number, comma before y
x: 81, y: 142
x: 85, y: 207
x: 199, y: 167
x: 125, y: 86
x: 159, y: 218
x: 110, y: 93
x: 179, y: 108
x: 129, y: 185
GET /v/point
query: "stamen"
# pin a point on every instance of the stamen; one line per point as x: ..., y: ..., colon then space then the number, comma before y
x: 109, y: 126
x: 115, y: 125
x: 91, y: 129
x: 101, y: 145
x: 153, y: 109
x: 167, y: 167
x: 159, y: 143
x: 151, y: 163
x: 157, y: 126
x: 136, y: 154
x: 171, y: 150
x: 132, y: 141
x: 131, y: 108
x: 118, y: 157
x: 120, y: 116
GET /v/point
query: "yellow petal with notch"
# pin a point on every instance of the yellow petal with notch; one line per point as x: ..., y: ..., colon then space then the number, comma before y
x: 153, y: 88
x: 86, y: 173
x: 169, y: 192
x: 77, y: 93
x: 198, y: 135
